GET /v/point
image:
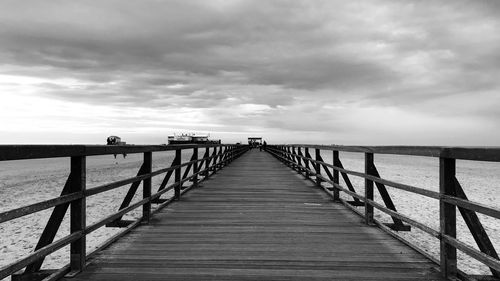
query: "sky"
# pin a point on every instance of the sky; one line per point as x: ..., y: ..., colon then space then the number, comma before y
x: 322, y: 72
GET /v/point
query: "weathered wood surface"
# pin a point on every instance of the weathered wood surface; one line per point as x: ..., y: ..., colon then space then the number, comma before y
x: 257, y: 220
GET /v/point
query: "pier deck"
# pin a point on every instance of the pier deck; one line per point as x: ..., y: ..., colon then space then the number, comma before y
x: 257, y: 220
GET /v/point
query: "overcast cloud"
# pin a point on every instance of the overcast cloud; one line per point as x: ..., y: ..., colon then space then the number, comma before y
x: 345, y: 72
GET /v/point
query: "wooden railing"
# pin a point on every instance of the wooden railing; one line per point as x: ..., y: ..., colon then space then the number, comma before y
x: 451, y: 196
x: 74, y: 194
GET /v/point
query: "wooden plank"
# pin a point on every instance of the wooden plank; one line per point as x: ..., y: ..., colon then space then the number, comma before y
x: 274, y: 226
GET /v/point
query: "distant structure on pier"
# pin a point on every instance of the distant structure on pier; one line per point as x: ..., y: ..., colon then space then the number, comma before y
x: 115, y: 140
x: 254, y: 141
x: 190, y: 139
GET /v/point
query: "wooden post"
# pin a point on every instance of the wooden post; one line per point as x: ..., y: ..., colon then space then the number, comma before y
x: 317, y: 167
x: 306, y: 161
x: 178, y: 186
x: 368, y: 188
x: 195, y: 167
x: 231, y: 154
x: 146, y: 186
x: 78, y: 214
x: 336, y: 193
x: 207, y: 163
x: 447, y: 217
x: 291, y: 157
x: 299, y: 151
x: 215, y: 155
x: 224, y: 157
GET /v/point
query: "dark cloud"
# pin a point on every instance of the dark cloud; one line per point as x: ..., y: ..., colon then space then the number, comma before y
x: 274, y: 57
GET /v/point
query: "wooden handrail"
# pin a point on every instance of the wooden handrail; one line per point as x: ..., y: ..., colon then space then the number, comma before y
x: 75, y: 193
x: 19, y: 152
x: 451, y: 195
x: 491, y: 154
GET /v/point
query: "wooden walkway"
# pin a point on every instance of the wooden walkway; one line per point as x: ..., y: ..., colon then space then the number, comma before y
x: 257, y: 220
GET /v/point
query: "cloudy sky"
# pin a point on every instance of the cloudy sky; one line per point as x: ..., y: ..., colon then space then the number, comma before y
x: 343, y: 72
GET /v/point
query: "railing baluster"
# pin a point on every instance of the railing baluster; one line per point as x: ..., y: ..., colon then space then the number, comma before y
x: 78, y: 214
x: 214, y: 164
x: 317, y: 167
x: 306, y: 161
x: 207, y: 162
x: 196, y: 167
x: 336, y: 193
x: 146, y: 186
x: 368, y: 188
x: 447, y: 217
x: 178, y: 185
x: 299, y: 159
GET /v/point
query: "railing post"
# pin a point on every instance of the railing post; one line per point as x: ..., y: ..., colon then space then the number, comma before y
x: 195, y: 166
x: 231, y: 153
x: 447, y: 217
x: 178, y: 161
x: 306, y: 161
x: 290, y: 157
x: 317, y: 167
x: 215, y: 155
x: 146, y: 186
x: 207, y: 163
x: 368, y: 188
x: 78, y: 214
x: 299, y: 151
x: 336, y: 193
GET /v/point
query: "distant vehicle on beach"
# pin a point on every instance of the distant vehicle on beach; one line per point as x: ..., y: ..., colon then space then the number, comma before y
x: 190, y: 139
x: 115, y: 140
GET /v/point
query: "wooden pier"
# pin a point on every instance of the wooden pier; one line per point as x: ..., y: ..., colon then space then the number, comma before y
x: 237, y: 213
x: 257, y: 220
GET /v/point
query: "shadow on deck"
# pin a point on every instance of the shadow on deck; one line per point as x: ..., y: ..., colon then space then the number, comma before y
x: 257, y: 220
